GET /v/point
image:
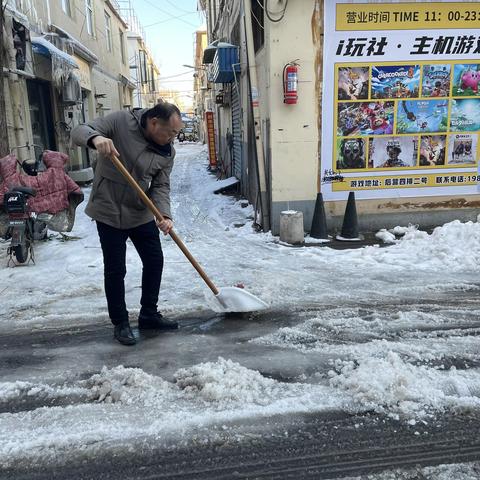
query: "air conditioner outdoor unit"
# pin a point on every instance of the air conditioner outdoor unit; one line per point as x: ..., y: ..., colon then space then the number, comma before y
x: 71, y: 90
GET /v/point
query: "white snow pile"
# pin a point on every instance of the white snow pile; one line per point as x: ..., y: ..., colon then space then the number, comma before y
x: 385, y: 236
x: 221, y: 385
x: 14, y: 391
x: 125, y: 405
x: 399, y: 230
x: 128, y: 386
x: 453, y: 247
x: 227, y: 383
x: 218, y: 386
x: 391, y: 386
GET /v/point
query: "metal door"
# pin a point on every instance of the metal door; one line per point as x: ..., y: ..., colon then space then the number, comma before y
x: 236, y: 132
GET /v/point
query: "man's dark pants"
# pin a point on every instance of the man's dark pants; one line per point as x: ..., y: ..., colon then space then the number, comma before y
x: 146, y: 240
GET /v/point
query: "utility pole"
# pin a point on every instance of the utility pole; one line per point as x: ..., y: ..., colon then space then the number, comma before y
x: 3, y: 110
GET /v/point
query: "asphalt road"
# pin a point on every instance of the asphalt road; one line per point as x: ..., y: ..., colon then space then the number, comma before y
x: 332, y: 445
x: 321, y: 447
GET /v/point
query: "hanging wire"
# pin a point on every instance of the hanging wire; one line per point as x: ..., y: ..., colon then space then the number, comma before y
x: 168, y: 20
x: 257, y: 20
x: 169, y: 14
x: 269, y: 13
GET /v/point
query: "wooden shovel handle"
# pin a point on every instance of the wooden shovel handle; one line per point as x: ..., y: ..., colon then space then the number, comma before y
x: 160, y: 217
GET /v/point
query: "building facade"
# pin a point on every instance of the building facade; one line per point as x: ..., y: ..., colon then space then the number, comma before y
x: 68, y: 61
x: 202, y: 101
x: 307, y: 143
x: 144, y: 72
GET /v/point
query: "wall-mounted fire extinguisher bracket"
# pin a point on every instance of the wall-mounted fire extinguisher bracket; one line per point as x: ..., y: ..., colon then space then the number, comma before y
x: 290, y: 83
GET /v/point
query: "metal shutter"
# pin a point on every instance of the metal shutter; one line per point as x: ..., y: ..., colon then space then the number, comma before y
x: 237, y: 132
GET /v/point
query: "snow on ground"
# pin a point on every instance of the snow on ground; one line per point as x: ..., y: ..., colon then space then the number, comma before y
x: 117, y: 406
x: 381, y: 360
x: 66, y: 284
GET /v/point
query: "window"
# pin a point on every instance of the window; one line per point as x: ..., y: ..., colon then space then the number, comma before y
x: 108, y: 31
x: 89, y: 16
x: 20, y: 34
x: 152, y: 78
x: 122, y: 45
x: 66, y: 7
x: 143, y: 66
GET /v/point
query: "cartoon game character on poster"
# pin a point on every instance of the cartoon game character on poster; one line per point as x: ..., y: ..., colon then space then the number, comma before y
x: 366, y: 118
x: 462, y: 149
x: 350, y: 153
x: 466, y: 80
x: 395, y: 81
x: 353, y: 83
x: 436, y: 80
x: 422, y: 116
x: 465, y: 115
x: 432, y: 150
x: 392, y: 152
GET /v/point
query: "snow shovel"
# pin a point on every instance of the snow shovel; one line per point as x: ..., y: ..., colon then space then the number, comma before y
x: 231, y: 299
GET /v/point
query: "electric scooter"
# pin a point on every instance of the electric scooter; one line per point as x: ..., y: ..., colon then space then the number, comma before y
x: 20, y: 222
x: 23, y: 227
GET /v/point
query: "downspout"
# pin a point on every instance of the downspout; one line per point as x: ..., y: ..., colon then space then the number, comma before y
x: 252, y: 68
x: 317, y: 38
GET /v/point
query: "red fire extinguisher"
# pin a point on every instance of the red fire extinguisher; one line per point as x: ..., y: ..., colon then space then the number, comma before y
x: 290, y: 83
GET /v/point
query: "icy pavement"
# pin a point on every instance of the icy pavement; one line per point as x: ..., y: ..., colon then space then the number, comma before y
x: 389, y: 331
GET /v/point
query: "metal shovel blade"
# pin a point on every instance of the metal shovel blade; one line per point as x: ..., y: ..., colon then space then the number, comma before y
x: 235, y: 299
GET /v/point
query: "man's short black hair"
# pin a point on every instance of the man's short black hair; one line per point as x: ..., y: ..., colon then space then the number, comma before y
x: 161, y: 110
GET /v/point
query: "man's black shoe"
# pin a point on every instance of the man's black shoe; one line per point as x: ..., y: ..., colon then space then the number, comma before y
x: 123, y: 333
x: 155, y: 321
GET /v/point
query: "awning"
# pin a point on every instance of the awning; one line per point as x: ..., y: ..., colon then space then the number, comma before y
x: 41, y: 46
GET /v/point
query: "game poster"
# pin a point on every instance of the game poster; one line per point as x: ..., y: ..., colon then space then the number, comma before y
x: 462, y: 149
x: 436, y: 80
x: 366, y: 118
x: 466, y: 80
x: 465, y: 116
x: 419, y: 116
x: 401, y: 99
x: 393, y: 152
x: 395, y: 81
x: 353, y: 83
x: 432, y: 150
